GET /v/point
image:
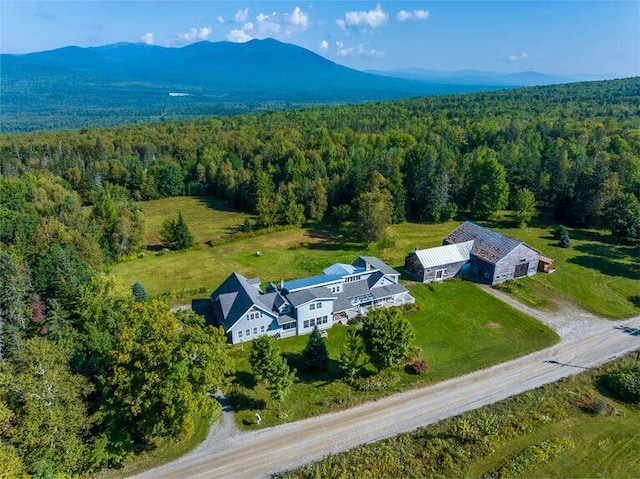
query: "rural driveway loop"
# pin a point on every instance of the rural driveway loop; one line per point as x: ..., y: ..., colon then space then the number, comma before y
x: 586, y: 341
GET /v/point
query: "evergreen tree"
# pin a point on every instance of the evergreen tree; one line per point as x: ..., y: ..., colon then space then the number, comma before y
x: 246, y: 226
x: 139, y: 293
x: 352, y: 356
x: 315, y: 357
x: 176, y: 234
x: 263, y: 357
x: 280, y: 379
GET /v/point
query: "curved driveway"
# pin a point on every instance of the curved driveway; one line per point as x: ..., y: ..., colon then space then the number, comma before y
x: 586, y: 341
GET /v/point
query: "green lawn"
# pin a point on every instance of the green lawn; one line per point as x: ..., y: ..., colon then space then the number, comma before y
x: 459, y: 327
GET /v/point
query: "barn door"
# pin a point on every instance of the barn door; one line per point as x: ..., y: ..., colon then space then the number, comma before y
x: 521, y: 270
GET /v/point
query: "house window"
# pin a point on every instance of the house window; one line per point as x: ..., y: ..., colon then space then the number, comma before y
x: 312, y: 306
x: 248, y: 332
x: 325, y: 319
x: 239, y: 334
x: 289, y: 326
x: 312, y: 322
x: 318, y: 305
x: 255, y: 330
x: 306, y: 323
x: 262, y: 329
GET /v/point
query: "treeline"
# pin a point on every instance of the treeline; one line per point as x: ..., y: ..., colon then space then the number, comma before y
x: 575, y: 147
x: 90, y: 370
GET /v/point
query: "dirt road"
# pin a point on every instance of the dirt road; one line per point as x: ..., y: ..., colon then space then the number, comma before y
x: 586, y: 341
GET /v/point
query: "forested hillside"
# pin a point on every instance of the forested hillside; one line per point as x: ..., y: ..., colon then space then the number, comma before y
x: 92, y: 370
x: 575, y: 147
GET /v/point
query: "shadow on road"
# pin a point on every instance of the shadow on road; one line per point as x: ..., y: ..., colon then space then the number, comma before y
x: 553, y: 361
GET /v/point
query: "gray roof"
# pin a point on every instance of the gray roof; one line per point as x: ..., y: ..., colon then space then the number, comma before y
x: 285, y: 318
x: 447, y: 254
x: 375, y: 263
x: 233, y: 298
x: 361, y: 288
x: 374, y: 278
x: 488, y: 245
x: 306, y: 295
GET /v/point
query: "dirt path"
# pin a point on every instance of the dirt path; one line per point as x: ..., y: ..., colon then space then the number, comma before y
x: 586, y: 341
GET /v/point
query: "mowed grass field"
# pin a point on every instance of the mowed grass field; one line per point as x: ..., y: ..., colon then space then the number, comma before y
x: 459, y: 328
x: 596, y: 273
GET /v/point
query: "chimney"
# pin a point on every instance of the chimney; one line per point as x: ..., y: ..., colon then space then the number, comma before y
x: 282, y: 284
x: 367, y: 265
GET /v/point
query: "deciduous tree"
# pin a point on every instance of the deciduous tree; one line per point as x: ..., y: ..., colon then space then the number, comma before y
x: 387, y: 336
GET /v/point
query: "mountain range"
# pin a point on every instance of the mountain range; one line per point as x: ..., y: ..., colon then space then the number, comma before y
x: 124, y: 82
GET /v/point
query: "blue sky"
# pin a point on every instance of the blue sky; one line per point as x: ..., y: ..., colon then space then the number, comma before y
x: 561, y: 37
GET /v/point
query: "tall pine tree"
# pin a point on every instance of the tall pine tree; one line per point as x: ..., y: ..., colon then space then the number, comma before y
x: 315, y: 357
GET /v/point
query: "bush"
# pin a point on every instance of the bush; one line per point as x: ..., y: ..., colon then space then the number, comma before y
x: 418, y: 367
x: 624, y: 384
x: 565, y: 241
x: 377, y: 382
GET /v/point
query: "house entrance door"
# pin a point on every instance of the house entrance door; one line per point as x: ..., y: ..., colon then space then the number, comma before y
x: 521, y: 270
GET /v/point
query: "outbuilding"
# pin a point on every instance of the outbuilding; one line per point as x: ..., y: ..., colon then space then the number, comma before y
x: 438, y: 264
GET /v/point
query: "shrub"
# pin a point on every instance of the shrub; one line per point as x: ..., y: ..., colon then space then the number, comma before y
x: 624, y: 384
x: 377, y: 382
x: 418, y: 367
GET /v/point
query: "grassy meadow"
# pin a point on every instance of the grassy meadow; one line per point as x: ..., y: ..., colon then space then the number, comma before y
x: 596, y: 272
x: 591, y: 434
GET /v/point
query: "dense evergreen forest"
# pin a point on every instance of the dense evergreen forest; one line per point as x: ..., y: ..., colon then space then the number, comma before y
x: 90, y: 371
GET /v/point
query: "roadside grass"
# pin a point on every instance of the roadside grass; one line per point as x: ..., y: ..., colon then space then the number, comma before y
x: 458, y: 326
x: 509, y: 439
x: 165, y: 452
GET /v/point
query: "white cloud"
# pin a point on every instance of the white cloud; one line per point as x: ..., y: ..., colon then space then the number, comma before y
x: 515, y: 58
x: 195, y: 34
x: 242, y: 15
x: 364, y: 20
x: 359, y: 50
x: 270, y: 25
x: 324, y: 45
x: 220, y: 19
x: 238, y: 36
x: 404, y: 16
x: 147, y: 38
x: 298, y: 18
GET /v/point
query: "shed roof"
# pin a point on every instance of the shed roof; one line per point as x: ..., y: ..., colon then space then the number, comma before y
x: 447, y: 254
x: 488, y: 245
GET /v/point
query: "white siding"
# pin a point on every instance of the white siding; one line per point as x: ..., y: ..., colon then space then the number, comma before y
x: 253, y: 323
x: 322, y: 308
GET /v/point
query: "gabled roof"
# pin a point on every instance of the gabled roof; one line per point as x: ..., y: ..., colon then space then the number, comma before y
x: 311, y: 282
x: 234, y: 297
x: 374, y: 278
x: 375, y: 263
x: 488, y: 245
x: 447, y: 254
x: 304, y: 296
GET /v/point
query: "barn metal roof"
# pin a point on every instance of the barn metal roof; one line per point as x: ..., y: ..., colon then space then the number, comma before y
x: 488, y: 245
x: 448, y: 254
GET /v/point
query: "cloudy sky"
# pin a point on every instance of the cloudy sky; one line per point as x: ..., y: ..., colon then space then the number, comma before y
x: 560, y: 37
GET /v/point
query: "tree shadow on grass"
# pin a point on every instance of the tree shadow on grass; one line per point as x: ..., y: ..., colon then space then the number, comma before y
x: 606, y: 266
x: 245, y: 379
x: 619, y: 252
x: 217, y: 204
